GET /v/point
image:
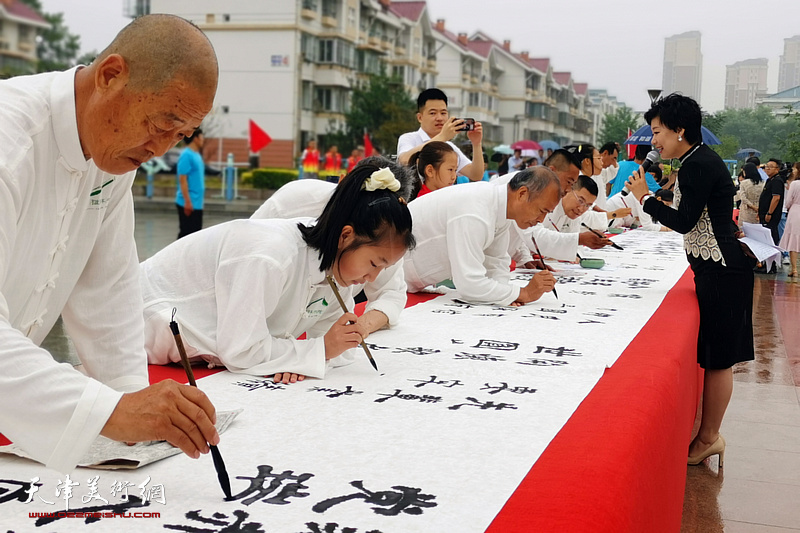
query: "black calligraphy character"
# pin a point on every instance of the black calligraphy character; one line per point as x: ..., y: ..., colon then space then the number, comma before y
x: 403, y: 499
x: 584, y: 293
x: 598, y: 281
x: 491, y: 314
x: 597, y: 314
x: 375, y: 347
x: 630, y: 296
x: 590, y: 321
x: 542, y: 362
x: 20, y: 490
x: 534, y: 315
x: 332, y: 527
x: 554, y: 311
x: 259, y: 488
x: 449, y: 383
x: 255, y: 384
x: 497, y: 345
x: 483, y: 405
x: 219, y: 520
x: 425, y: 398
x: 504, y: 387
x: 455, y: 341
x: 94, y: 514
x: 459, y: 305
x: 446, y: 311
x: 558, y: 352
x: 418, y: 350
x: 335, y: 393
x: 479, y: 356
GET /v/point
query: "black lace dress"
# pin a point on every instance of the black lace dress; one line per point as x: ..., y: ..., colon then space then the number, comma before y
x: 723, y: 274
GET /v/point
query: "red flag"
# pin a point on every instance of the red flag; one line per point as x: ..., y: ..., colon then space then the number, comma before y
x: 631, y: 147
x: 258, y: 138
x: 367, y: 145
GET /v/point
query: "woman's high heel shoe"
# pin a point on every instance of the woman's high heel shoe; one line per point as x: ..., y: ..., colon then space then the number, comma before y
x: 718, y: 448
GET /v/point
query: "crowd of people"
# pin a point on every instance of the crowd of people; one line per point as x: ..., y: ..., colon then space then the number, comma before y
x: 248, y: 289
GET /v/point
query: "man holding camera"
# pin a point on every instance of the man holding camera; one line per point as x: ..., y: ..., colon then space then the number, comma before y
x: 437, y: 125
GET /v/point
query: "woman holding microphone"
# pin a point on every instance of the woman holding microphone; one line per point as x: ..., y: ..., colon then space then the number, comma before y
x: 722, y: 272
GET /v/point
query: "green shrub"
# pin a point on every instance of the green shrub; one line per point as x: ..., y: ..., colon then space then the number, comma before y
x: 271, y: 178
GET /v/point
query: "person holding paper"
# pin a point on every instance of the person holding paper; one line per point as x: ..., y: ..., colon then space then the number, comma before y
x: 723, y: 274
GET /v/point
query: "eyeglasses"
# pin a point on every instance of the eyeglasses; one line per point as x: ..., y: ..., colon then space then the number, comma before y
x: 582, y: 202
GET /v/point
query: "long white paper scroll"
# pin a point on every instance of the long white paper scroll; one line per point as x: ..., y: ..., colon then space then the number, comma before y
x: 466, y: 399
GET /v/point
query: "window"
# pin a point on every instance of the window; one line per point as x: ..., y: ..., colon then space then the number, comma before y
x: 331, y: 99
x: 335, y: 51
x: 368, y: 62
x: 310, y: 5
x: 330, y: 8
x: 308, y: 44
x: 399, y: 73
x: 474, y: 99
x: 307, y: 101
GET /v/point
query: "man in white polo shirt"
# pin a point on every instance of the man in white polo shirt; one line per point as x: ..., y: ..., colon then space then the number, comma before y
x: 436, y: 124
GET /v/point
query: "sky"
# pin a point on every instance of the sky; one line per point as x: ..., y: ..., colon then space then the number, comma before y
x: 617, y: 45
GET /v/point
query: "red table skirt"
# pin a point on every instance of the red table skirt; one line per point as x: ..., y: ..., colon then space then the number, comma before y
x: 619, y: 463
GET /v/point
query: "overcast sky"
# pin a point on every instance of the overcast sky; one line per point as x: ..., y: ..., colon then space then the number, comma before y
x: 616, y: 45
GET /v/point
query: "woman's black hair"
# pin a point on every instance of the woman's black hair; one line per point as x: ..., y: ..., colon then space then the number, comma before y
x: 580, y: 152
x: 433, y: 153
x: 750, y: 171
x: 373, y: 215
x: 677, y: 111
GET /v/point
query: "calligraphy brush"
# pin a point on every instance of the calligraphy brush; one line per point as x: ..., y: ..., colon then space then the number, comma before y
x: 541, y: 258
x: 219, y: 464
x: 615, y: 245
x: 344, y: 309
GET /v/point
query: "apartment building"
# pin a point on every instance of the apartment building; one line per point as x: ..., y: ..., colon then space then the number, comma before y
x: 601, y: 103
x: 291, y: 67
x: 19, y: 25
x: 745, y: 82
x: 789, y: 68
x: 683, y: 65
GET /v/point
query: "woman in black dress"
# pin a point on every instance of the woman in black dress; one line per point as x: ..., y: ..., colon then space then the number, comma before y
x: 723, y: 274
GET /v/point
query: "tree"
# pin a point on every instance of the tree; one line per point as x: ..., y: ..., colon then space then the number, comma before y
x: 616, y: 125
x: 56, y: 47
x: 380, y: 107
x: 751, y: 128
x: 728, y: 148
x: 791, y: 143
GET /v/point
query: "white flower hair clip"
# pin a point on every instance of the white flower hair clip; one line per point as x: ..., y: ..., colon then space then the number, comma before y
x: 381, y: 179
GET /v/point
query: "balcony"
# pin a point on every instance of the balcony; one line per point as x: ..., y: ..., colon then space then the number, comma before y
x: 475, y: 80
x: 374, y: 41
x: 465, y: 76
x: 386, y: 44
x: 308, y: 14
x: 329, y: 21
x: 400, y: 50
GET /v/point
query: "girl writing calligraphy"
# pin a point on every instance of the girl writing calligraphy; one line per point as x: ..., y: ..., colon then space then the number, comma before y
x: 246, y: 289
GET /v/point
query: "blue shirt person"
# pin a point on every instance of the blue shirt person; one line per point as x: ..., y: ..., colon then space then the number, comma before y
x: 191, y: 185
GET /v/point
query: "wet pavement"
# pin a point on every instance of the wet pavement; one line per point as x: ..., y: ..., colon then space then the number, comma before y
x: 758, y: 489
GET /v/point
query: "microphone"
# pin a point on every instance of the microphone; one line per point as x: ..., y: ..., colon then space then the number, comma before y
x: 652, y: 157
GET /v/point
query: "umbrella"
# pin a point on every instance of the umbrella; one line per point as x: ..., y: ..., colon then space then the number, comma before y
x: 549, y: 145
x: 503, y: 149
x: 644, y: 135
x: 526, y: 144
x: 747, y: 152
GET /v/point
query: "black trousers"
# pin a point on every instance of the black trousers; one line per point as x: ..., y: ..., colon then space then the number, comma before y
x: 189, y: 224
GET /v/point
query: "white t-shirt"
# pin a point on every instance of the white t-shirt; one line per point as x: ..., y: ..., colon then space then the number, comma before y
x: 66, y: 248
x: 412, y: 139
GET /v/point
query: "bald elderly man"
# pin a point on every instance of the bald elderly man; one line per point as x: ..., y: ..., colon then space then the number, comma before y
x: 70, y: 143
